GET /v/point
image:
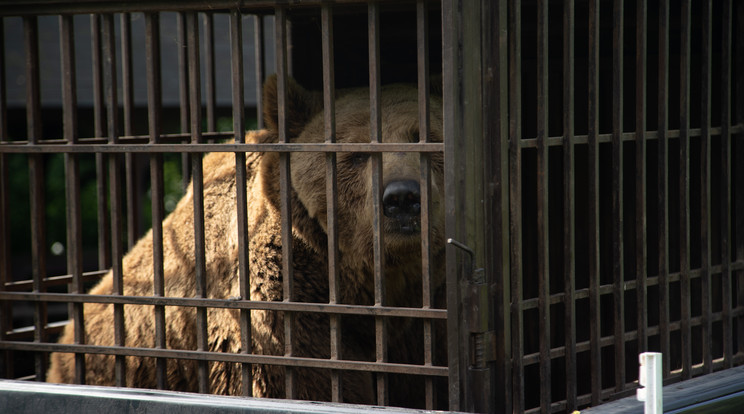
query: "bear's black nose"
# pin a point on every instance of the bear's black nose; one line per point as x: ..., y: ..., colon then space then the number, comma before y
x: 402, y: 199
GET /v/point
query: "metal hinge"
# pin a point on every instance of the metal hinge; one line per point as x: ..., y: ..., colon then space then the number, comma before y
x: 482, y: 341
x: 476, y: 300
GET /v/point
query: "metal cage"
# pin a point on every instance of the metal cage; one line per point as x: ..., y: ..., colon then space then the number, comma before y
x: 594, y: 179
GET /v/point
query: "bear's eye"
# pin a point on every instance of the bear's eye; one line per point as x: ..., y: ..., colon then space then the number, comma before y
x: 358, y: 159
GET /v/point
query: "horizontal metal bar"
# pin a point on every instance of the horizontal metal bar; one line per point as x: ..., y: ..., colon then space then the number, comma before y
x: 628, y: 136
x: 338, y: 309
x: 629, y: 336
x: 629, y: 285
x: 180, y: 139
x: 189, y: 148
x: 41, y: 7
x: 392, y: 368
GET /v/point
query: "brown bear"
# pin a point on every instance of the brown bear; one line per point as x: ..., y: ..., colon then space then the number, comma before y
x: 311, y: 332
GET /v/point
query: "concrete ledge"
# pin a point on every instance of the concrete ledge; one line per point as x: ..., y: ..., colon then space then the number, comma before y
x: 23, y: 397
x: 720, y: 392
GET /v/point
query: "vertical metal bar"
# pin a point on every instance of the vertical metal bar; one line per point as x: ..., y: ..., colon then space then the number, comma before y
x: 496, y: 176
x: 705, y: 188
x: 726, y: 86
x: 115, y: 186
x: 127, y: 81
x: 3, y: 86
x: 241, y: 195
x: 543, y: 249
x: 183, y: 93
x: 36, y: 182
x: 195, y: 115
x: 133, y: 187
x: 593, y: 239
x: 422, y: 58
x: 154, y: 105
x: 72, y: 177
x: 329, y: 127
x: 617, y: 193
x: 6, y: 310
x: 641, y: 255
x: 684, y: 189
x: 375, y: 128
x: 515, y: 200
x: 452, y: 130
x: 104, y: 232
x: 258, y: 47
x: 285, y: 184
x: 569, y: 216
x: 663, y: 184
x: 210, y: 87
x: 739, y: 162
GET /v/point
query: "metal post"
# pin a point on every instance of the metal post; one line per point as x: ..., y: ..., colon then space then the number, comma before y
x: 649, y: 378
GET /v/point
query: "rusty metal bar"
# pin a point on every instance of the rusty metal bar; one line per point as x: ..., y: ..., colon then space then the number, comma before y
x: 104, y: 232
x: 340, y: 309
x: 618, y: 271
x: 422, y: 58
x: 569, y: 194
x: 726, y: 179
x: 663, y: 184
x: 89, y: 147
x: 392, y: 368
x: 515, y: 201
x: 378, y: 241
x: 739, y: 178
x: 3, y: 87
x: 329, y: 128
x: 195, y: 116
x: 127, y: 81
x: 706, y: 230
x: 6, y: 310
x: 684, y: 189
x: 593, y: 236
x: 495, y: 118
x: 136, y: 143
x: 103, y: 6
x: 183, y: 93
x: 133, y: 187
x: 115, y: 185
x: 241, y: 195
x: 154, y: 105
x: 36, y: 183
x: 543, y: 252
x: 209, y: 76
x: 285, y: 185
x: 72, y: 177
x: 641, y: 248
x: 258, y: 47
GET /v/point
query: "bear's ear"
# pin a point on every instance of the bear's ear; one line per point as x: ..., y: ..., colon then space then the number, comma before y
x: 302, y: 105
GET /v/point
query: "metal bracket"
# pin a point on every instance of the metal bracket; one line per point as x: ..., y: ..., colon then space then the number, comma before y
x: 476, y: 300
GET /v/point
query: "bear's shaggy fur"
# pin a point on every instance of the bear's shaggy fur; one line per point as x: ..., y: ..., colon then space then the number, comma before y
x: 311, y: 332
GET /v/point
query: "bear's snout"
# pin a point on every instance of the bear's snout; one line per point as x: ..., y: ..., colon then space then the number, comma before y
x: 401, y: 202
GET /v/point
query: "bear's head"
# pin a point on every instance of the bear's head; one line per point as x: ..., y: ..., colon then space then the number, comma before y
x: 401, y: 183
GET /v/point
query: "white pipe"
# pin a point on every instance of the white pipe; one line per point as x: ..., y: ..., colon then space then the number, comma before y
x: 651, y: 383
